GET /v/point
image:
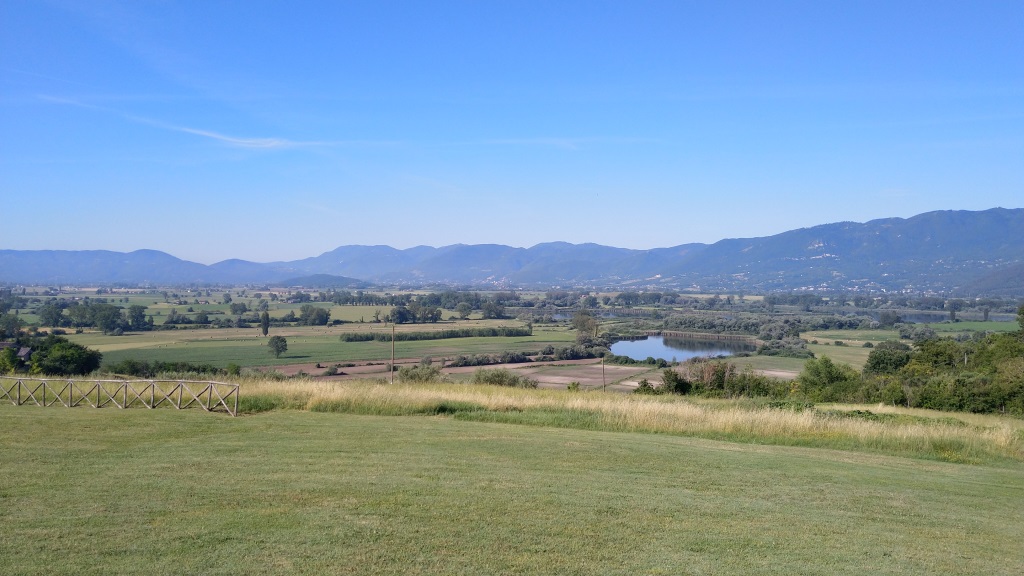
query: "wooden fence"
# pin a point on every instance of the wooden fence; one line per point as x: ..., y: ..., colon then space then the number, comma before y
x: 181, y: 394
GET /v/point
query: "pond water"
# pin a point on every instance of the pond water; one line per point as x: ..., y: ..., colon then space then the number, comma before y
x: 679, y: 349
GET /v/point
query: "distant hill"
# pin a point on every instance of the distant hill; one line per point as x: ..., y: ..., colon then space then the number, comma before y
x: 960, y: 252
x: 947, y: 251
x: 1005, y: 280
x: 324, y: 281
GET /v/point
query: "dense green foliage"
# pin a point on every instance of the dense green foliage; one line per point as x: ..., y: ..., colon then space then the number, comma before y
x: 382, y: 336
x: 487, y: 359
x: 887, y: 358
x: 627, y: 361
x: 278, y: 345
x: 421, y: 373
x: 54, y: 355
x: 981, y: 375
x: 146, y: 369
x: 502, y: 377
x: 789, y: 347
x: 310, y: 315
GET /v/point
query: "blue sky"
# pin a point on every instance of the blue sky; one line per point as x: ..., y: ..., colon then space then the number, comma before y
x: 271, y: 131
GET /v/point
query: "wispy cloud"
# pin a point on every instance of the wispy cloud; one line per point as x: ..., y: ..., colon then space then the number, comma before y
x: 563, y: 143
x: 265, y: 143
x: 241, y: 142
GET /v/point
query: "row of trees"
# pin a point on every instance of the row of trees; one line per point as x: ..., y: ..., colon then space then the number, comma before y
x: 764, y: 326
x: 109, y: 318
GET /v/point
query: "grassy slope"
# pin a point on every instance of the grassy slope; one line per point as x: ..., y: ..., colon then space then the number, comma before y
x: 170, y: 492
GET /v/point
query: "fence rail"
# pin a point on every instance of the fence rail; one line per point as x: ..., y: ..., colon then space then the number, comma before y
x: 181, y: 394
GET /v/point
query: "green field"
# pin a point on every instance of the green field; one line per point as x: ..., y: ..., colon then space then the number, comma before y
x: 247, y: 347
x: 858, y: 337
x: 956, y: 327
x: 294, y: 492
x: 773, y: 363
x: 851, y: 337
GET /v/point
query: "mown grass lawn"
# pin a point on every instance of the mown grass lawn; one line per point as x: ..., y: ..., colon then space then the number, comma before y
x: 107, y: 491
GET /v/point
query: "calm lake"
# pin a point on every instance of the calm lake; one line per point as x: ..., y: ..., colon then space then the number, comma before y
x: 678, y: 349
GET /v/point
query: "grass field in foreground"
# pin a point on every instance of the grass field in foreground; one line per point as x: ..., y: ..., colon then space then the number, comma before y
x: 290, y: 492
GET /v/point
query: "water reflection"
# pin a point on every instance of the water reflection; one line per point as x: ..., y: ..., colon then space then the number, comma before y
x: 680, y: 349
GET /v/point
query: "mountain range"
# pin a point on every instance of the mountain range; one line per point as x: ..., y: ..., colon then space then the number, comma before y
x: 958, y: 252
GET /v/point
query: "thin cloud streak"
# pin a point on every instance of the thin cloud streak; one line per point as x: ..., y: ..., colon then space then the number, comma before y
x: 265, y: 143
x: 255, y: 143
x: 563, y: 143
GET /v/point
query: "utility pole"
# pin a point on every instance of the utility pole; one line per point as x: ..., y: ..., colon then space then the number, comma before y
x: 392, y: 353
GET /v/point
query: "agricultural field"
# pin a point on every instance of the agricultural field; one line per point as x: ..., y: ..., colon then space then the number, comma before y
x: 317, y: 344
x: 945, y: 328
x: 851, y: 337
x: 343, y: 483
x: 859, y: 337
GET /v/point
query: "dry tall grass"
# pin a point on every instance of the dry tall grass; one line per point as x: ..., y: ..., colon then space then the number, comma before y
x: 927, y: 434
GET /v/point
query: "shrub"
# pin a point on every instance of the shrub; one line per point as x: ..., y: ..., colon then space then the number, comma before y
x: 787, y: 348
x: 486, y: 359
x: 502, y: 377
x: 825, y: 381
x: 886, y: 360
x: 673, y: 383
x: 146, y: 369
x: 419, y: 373
x: 645, y: 388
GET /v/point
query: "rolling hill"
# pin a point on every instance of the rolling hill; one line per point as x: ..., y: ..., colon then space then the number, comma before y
x: 963, y: 252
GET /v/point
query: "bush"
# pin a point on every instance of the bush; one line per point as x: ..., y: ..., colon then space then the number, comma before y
x: 825, y: 381
x: 645, y: 388
x: 146, y: 369
x: 419, y: 373
x: 886, y: 360
x: 673, y: 383
x: 787, y: 348
x: 502, y: 377
x: 487, y: 359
